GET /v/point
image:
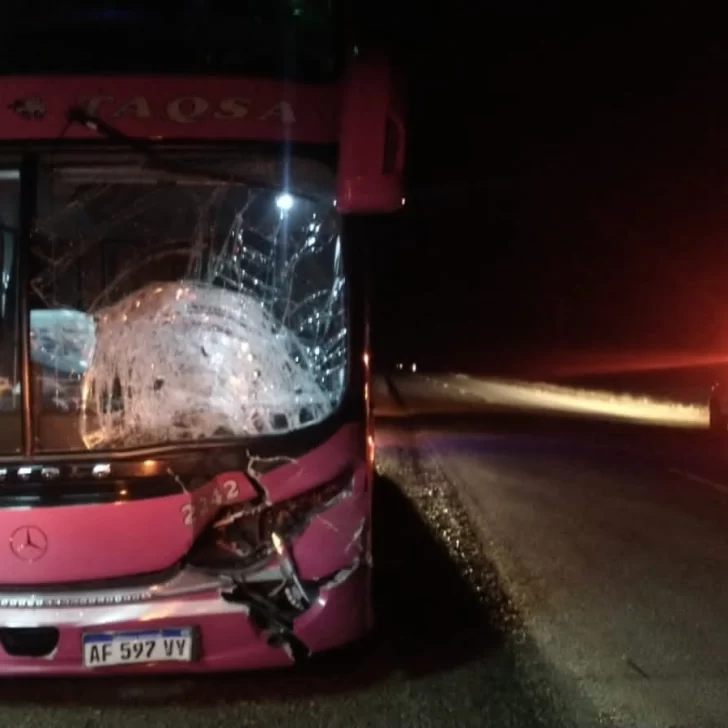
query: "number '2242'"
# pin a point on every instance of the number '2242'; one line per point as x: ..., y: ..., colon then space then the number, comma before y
x: 203, y: 506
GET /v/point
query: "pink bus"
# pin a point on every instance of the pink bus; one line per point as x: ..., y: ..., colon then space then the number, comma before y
x: 186, y: 447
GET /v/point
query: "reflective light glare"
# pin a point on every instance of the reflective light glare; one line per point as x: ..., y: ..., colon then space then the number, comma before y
x: 277, y: 543
x: 284, y: 202
x: 524, y: 395
x: 371, y: 449
x: 414, y: 367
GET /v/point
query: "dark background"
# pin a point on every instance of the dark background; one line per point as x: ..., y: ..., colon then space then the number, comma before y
x: 567, y: 169
x: 566, y: 185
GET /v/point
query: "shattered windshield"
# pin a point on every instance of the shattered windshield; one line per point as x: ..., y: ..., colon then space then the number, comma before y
x: 165, y: 311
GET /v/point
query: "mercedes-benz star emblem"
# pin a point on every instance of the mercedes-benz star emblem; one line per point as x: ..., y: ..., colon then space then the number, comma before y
x: 28, y: 543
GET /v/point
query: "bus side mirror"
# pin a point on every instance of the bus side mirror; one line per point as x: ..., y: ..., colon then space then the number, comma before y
x: 372, y: 139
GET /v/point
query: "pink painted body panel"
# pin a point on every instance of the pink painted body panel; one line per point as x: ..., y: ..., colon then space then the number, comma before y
x: 318, y: 465
x: 170, y: 107
x: 98, y: 541
x: 332, y: 540
x: 134, y: 537
x: 105, y: 541
x: 372, y: 139
x: 229, y: 642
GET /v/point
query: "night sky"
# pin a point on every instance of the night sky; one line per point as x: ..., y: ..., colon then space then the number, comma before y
x: 568, y: 181
x: 567, y: 184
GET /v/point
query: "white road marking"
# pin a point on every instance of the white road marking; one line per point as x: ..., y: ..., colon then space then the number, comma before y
x: 699, y: 479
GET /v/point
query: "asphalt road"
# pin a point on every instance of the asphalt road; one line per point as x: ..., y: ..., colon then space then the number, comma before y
x: 544, y: 557
x: 606, y: 519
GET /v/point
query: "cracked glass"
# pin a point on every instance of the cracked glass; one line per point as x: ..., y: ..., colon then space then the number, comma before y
x: 176, y: 309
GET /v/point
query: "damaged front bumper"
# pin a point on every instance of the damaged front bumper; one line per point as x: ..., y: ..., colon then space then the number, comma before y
x: 263, y: 581
x: 270, y: 618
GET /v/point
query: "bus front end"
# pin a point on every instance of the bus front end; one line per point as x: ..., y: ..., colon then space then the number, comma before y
x: 186, y: 449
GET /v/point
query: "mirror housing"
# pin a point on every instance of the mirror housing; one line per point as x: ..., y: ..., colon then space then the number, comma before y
x: 372, y: 139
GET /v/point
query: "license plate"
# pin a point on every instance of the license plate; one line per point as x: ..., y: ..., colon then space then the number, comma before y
x: 104, y: 649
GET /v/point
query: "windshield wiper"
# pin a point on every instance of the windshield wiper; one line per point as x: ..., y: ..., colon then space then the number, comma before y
x: 78, y: 115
